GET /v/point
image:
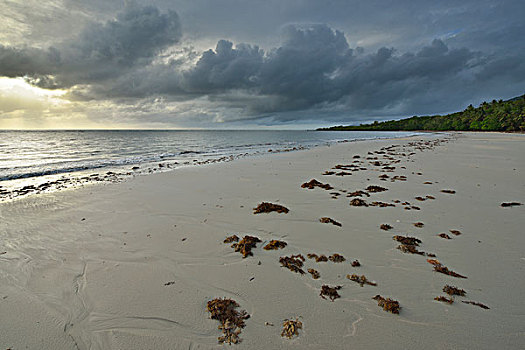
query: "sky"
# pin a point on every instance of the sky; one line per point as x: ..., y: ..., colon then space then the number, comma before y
x: 99, y: 64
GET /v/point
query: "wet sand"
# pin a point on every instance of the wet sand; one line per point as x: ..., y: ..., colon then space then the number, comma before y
x: 132, y: 265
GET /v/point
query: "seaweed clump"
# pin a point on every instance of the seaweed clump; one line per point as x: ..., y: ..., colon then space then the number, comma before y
x: 387, y: 304
x: 451, y: 290
x: 336, y: 258
x: 232, y: 321
x: 315, y: 274
x: 362, y: 280
x: 381, y: 204
x: 444, y: 299
x: 327, y: 220
x: 375, y: 189
x: 266, y: 207
x: 419, y: 224
x: 293, y: 263
x: 476, y: 303
x: 407, y: 240
x: 358, y: 202
x: 318, y: 258
x: 330, y: 292
x: 231, y: 239
x: 448, y: 191
x: 245, y: 245
x: 510, y: 204
x: 314, y: 183
x: 275, y: 244
x: 291, y: 328
x: 356, y: 263
x: 444, y: 235
x: 408, y: 248
x: 443, y: 269
x: 385, y: 227
x: 455, y: 232
x: 358, y: 194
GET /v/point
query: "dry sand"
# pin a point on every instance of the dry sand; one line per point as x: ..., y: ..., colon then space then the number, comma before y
x: 92, y: 268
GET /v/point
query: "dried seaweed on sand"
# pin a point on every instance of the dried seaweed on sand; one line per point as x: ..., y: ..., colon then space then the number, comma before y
x: 455, y: 232
x: 443, y: 269
x: 387, y: 304
x: 409, y: 248
x: 291, y: 328
x: 336, y: 258
x: 315, y: 274
x: 381, y: 204
x: 444, y: 299
x: 375, y: 189
x: 330, y: 292
x: 451, y: 290
x: 510, y: 204
x: 245, y: 245
x: 476, y: 303
x: 231, y: 239
x: 358, y: 194
x: 407, y: 240
x: 419, y: 224
x: 362, y: 280
x: 314, y: 183
x: 232, y: 321
x: 356, y: 263
x: 448, y: 191
x: 318, y: 258
x: 327, y: 220
x: 358, y: 202
x: 275, y: 244
x: 385, y: 227
x: 444, y: 235
x: 293, y: 263
x: 266, y: 207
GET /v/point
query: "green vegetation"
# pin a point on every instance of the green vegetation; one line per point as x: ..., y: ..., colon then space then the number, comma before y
x: 494, y: 116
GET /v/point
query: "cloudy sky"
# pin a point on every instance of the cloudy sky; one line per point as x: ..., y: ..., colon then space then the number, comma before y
x: 252, y: 63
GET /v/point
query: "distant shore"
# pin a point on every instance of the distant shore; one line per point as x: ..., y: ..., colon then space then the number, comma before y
x: 133, y: 265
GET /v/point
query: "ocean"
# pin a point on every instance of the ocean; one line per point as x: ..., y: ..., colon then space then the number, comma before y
x: 42, y: 161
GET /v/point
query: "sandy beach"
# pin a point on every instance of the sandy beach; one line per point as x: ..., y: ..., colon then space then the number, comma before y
x: 133, y: 265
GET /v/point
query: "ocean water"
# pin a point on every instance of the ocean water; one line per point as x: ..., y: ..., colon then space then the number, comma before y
x: 31, y: 158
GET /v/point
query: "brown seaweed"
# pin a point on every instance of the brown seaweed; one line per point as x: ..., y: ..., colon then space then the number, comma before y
x: 430, y: 197
x: 336, y: 258
x: 358, y: 202
x: 455, y: 232
x: 451, y: 290
x: 315, y: 274
x: 275, y: 244
x: 419, y: 224
x: 245, y: 245
x: 385, y: 227
x: 438, y: 267
x: 444, y: 235
x: 448, y: 191
x: 387, y: 304
x: 293, y: 263
x: 314, y: 183
x: 407, y: 240
x: 362, y: 280
x: 266, y: 207
x: 409, y: 248
x: 375, y: 189
x: 291, y: 328
x: 444, y: 299
x: 329, y: 173
x: 476, y: 303
x: 326, y: 220
x: 381, y: 204
x: 232, y: 321
x: 231, y: 239
x: 358, y: 194
x: 330, y: 292
x: 318, y: 258
x: 421, y: 199
x: 356, y: 263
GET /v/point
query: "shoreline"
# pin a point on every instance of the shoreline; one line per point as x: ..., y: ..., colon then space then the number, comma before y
x: 133, y: 264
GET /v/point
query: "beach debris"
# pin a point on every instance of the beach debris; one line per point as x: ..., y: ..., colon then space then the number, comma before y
x: 232, y: 321
x: 427, y: 183
x: 315, y: 274
x: 383, y: 176
x: 169, y: 283
x: 314, y: 183
x: 381, y: 204
x: 245, y: 245
x: 444, y: 235
x: 375, y: 189
x: 415, y: 208
x: 443, y: 269
x: 293, y: 263
x: 336, y: 258
x: 327, y: 220
x: 387, y: 304
x: 330, y: 292
x: 275, y: 244
x: 421, y: 199
x: 231, y: 239
x: 407, y: 240
x: 409, y: 248
x: 510, y: 204
x: 356, y: 156
x: 358, y: 194
x: 385, y: 227
x: 343, y: 173
x: 419, y: 224
x: 451, y: 290
x: 358, y: 202
x: 430, y: 197
x: 266, y: 207
x: 329, y: 173
x: 318, y: 258
x: 398, y: 178
x: 444, y: 299
x: 356, y: 263
x: 362, y: 280
x: 476, y: 303
x: 455, y: 232
x: 291, y: 328
x: 268, y: 324
x: 448, y: 191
